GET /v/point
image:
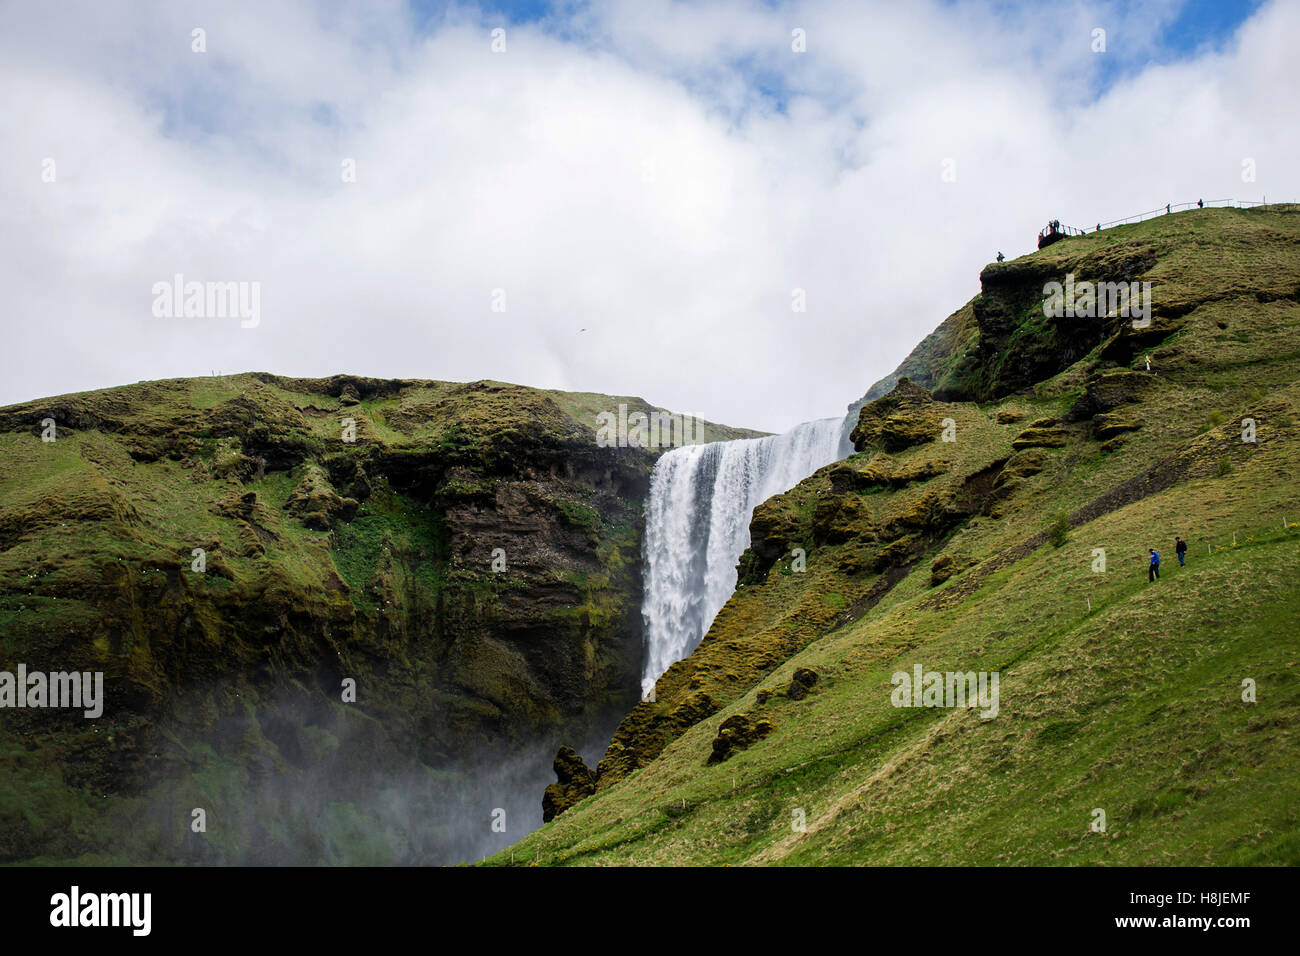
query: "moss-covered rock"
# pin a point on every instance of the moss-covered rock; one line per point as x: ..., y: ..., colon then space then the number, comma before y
x: 904, y: 418
x: 1041, y: 438
x: 1111, y: 389
x: 839, y: 518
x: 693, y: 709
x: 1109, y: 424
x: 775, y: 529
x: 947, y: 565
x: 315, y: 502
x: 803, y: 680
x: 575, y: 782
x: 882, y: 471
x: 738, y: 732
x: 1022, y: 464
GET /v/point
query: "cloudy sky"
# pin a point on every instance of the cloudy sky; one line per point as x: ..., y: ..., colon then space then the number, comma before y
x: 662, y: 175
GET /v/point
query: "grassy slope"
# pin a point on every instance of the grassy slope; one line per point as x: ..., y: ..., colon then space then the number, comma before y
x: 1133, y: 707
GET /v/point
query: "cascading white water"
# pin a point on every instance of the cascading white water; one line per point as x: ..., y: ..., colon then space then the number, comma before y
x: 697, y: 527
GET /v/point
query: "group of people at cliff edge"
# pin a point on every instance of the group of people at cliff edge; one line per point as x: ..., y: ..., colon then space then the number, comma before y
x: 1180, y: 549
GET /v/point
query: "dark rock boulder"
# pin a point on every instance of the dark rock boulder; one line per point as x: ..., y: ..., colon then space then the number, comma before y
x: 575, y: 781
x: 738, y: 732
x: 804, y: 680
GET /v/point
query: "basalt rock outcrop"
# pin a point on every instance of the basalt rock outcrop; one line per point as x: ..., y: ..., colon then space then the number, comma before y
x: 896, y: 421
x: 575, y: 781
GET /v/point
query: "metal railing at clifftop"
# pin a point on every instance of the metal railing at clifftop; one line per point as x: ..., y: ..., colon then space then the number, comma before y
x: 1064, y: 230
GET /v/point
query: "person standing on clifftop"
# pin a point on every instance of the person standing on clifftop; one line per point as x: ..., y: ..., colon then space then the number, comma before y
x: 1001, y: 257
x: 1180, y: 549
x: 1153, y: 572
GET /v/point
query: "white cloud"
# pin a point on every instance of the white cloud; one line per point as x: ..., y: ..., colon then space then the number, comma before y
x: 631, y: 180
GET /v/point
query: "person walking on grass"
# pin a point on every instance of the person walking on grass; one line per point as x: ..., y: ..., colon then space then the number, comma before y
x: 1153, y: 572
x: 1180, y: 549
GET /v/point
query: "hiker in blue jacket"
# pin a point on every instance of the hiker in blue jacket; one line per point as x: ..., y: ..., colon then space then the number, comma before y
x: 1153, y: 574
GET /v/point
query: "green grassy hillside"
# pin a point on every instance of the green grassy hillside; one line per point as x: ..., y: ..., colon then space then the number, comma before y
x: 777, y: 740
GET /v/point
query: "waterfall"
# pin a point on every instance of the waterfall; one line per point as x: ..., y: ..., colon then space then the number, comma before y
x: 697, y: 527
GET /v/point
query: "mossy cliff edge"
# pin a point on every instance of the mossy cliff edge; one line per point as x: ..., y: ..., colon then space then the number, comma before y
x: 1005, y: 456
x: 227, y: 557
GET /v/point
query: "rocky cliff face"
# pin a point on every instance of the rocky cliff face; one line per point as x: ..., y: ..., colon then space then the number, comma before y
x: 326, y: 610
x: 1001, y: 342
